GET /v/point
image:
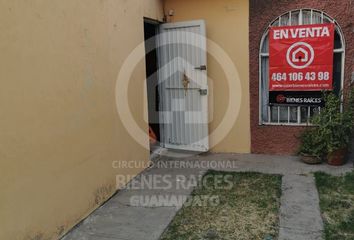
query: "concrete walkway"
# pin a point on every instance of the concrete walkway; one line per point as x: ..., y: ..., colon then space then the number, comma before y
x: 300, y: 215
x: 133, y: 215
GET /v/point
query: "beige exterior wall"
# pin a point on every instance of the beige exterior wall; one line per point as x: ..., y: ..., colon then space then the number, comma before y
x: 59, y: 127
x: 227, y: 25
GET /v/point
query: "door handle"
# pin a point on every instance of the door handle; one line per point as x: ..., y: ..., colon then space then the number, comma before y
x: 201, y: 68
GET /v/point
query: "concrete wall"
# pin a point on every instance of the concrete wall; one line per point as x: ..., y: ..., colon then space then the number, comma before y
x: 284, y: 139
x: 59, y: 127
x: 227, y: 25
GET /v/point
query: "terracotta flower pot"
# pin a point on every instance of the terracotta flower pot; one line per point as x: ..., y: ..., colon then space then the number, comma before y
x: 337, y: 158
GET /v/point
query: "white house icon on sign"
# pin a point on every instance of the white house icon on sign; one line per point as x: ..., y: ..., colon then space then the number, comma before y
x: 300, y: 55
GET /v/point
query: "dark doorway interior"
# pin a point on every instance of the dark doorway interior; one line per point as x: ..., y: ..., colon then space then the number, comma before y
x: 150, y: 31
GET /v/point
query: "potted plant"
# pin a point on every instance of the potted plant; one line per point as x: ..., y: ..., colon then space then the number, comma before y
x: 331, y: 135
x: 334, y: 128
x: 311, y: 149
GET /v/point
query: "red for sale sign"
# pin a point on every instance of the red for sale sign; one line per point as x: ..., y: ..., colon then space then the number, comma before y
x: 301, y: 58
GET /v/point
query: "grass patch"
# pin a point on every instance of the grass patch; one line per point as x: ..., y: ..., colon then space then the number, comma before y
x: 337, y: 205
x: 248, y: 208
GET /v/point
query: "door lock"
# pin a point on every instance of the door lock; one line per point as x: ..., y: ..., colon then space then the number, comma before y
x: 185, y: 83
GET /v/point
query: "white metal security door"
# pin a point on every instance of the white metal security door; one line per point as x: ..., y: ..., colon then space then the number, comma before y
x: 183, y: 86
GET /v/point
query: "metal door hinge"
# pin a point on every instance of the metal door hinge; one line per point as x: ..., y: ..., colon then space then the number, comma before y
x: 203, y: 92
